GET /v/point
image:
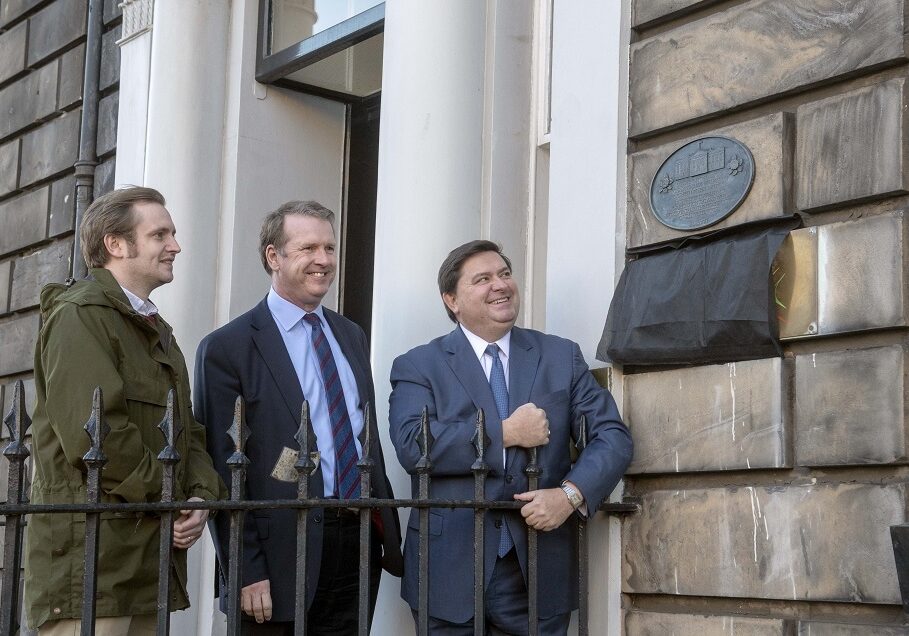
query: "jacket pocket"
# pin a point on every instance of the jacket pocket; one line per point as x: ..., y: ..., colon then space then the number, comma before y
x: 436, y: 521
x: 551, y: 399
x: 149, y: 390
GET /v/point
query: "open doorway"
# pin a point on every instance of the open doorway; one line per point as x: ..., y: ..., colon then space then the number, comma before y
x: 359, y: 224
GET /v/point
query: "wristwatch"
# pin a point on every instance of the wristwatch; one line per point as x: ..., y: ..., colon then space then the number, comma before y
x: 575, y: 498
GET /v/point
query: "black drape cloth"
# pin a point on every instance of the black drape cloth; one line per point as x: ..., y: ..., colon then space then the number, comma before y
x: 709, y: 301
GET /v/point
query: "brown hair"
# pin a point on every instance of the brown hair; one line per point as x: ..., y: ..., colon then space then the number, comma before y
x: 450, y: 271
x: 272, y: 232
x: 112, y: 213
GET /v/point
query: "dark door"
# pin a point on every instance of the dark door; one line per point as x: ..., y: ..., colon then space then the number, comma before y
x: 360, y: 227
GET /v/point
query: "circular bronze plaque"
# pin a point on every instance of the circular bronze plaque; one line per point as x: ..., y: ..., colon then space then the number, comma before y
x: 702, y: 183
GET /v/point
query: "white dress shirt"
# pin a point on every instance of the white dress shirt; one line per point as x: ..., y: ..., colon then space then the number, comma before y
x: 297, y: 336
x: 479, y: 347
x: 142, y: 307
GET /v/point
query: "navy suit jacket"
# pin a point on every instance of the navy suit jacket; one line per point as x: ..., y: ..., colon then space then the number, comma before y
x: 446, y: 376
x: 247, y: 357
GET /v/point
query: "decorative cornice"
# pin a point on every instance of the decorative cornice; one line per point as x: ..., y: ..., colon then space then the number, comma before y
x: 137, y: 18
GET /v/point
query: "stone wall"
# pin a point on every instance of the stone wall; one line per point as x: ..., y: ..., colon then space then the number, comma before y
x: 42, y: 56
x: 768, y: 487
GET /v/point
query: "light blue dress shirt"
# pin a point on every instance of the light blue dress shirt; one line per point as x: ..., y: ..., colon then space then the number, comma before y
x: 297, y: 336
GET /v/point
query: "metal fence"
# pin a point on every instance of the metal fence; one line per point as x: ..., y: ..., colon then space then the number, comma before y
x: 17, y: 506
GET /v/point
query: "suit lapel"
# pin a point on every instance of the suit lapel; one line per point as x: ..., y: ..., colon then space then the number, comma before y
x: 274, y: 355
x: 523, y: 361
x: 466, y: 367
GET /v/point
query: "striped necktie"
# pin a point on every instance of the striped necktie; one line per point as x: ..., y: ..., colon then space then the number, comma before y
x: 346, y: 475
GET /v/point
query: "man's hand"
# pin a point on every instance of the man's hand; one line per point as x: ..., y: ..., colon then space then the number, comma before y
x: 545, y: 509
x: 188, y: 526
x: 255, y: 600
x: 527, y: 427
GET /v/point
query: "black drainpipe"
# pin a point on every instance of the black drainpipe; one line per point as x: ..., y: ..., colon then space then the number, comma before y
x: 88, y: 132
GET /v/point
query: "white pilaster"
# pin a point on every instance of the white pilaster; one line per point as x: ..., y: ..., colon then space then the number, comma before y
x: 170, y: 138
x: 429, y: 194
x: 582, y: 224
x: 135, y: 70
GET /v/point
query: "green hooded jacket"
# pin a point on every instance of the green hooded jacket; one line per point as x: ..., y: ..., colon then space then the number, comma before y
x: 90, y: 337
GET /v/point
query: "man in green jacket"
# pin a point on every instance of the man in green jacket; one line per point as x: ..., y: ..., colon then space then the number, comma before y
x: 104, y: 331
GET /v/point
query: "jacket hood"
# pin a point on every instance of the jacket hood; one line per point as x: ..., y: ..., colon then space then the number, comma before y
x: 105, y: 292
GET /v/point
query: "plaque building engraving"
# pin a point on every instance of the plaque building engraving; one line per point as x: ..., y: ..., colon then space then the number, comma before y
x: 702, y: 183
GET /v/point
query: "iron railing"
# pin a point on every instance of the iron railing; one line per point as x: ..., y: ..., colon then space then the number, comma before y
x: 17, y: 506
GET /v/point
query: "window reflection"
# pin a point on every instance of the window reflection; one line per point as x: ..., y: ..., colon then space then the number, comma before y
x: 296, y: 20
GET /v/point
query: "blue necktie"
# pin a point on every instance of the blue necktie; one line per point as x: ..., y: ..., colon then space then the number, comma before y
x: 346, y: 475
x: 500, y: 394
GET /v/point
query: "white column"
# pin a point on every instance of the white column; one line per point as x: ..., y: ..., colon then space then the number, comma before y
x: 429, y: 194
x: 183, y: 150
x: 582, y: 239
x: 172, y: 93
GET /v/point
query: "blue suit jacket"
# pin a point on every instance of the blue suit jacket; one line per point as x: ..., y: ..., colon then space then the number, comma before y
x: 247, y: 357
x: 446, y: 376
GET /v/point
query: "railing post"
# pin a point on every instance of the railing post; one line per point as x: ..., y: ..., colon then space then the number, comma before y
x: 480, y: 469
x: 304, y: 467
x: 17, y: 421
x: 365, y: 464
x: 94, y: 459
x: 582, y: 543
x: 533, y: 472
x: 237, y: 464
x: 171, y: 427
x: 423, y: 468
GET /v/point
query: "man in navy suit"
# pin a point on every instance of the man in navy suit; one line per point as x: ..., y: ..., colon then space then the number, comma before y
x: 286, y: 349
x: 533, y: 388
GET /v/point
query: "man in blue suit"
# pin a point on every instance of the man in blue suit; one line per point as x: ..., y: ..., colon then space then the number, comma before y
x: 285, y: 349
x: 533, y: 388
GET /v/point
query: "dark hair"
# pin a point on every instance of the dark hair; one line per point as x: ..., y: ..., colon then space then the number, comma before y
x: 450, y: 271
x: 112, y: 213
x: 272, y: 232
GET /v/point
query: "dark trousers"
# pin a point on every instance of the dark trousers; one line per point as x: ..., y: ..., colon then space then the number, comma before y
x: 335, y: 608
x: 506, y: 607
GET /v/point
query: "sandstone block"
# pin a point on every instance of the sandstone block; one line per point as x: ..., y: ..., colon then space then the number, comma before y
x: 717, y: 417
x: 850, y: 407
x: 23, y: 220
x: 72, y: 66
x: 18, y: 335
x: 28, y: 100
x: 645, y: 11
x: 9, y: 166
x: 50, y: 149
x: 861, y: 259
x: 49, y: 264
x: 110, y: 58
x: 112, y: 10
x: 843, y: 277
x: 800, y: 542
x: 107, y: 124
x: 55, y: 27
x: 770, y: 140
x: 12, y: 51
x: 816, y: 628
x: 658, y: 624
x: 5, y: 269
x: 851, y: 146
x: 104, y: 177
x: 12, y: 9
x: 62, y: 206
x: 753, y: 51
